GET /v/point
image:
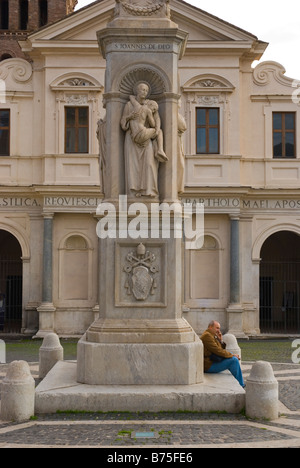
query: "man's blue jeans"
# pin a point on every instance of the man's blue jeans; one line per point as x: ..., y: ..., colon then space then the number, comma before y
x: 232, y: 365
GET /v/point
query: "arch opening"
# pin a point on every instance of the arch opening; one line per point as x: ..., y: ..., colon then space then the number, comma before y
x: 280, y: 284
x: 11, y: 283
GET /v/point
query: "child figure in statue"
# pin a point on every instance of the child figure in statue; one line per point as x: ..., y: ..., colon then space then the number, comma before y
x: 143, y: 146
x: 141, y: 134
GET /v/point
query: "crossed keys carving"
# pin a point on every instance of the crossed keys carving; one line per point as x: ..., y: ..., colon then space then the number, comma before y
x: 141, y: 271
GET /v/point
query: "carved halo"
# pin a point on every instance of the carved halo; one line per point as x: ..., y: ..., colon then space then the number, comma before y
x: 139, y: 75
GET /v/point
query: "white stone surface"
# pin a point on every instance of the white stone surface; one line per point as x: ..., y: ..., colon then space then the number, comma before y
x: 60, y: 391
x: 17, y: 394
x: 140, y: 363
x: 50, y: 353
x: 232, y: 345
x: 262, y: 398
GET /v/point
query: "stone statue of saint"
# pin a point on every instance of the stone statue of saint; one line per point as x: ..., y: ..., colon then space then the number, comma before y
x: 143, y: 149
x: 182, y: 127
x: 101, y: 135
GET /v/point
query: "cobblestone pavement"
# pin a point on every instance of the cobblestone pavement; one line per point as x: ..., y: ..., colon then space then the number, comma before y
x: 185, y: 431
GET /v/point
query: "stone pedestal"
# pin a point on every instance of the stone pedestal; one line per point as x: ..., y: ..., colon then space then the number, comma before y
x: 145, y: 341
x: 18, y: 393
x: 262, y: 395
x: 140, y: 363
x: 232, y: 345
x: 50, y: 353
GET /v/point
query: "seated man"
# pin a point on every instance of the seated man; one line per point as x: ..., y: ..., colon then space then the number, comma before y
x: 216, y: 358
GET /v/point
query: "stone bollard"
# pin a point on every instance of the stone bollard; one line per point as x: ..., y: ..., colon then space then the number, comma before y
x: 18, y: 393
x: 232, y: 345
x: 262, y: 392
x: 50, y: 353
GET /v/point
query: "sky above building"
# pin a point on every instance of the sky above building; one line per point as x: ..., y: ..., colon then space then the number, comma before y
x: 275, y: 22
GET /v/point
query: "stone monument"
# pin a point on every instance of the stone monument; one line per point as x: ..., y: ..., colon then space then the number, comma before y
x: 141, y: 337
x: 140, y: 354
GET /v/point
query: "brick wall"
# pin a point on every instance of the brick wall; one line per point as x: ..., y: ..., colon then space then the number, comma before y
x: 57, y: 9
x: 9, y: 44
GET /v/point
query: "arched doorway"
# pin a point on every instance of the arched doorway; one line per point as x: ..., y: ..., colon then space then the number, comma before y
x: 10, y: 283
x: 280, y: 284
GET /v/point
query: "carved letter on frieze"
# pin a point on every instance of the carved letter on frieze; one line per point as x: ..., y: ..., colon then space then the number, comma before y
x: 141, y: 271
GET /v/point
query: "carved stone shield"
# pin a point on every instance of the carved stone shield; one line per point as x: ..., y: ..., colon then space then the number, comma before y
x: 141, y: 283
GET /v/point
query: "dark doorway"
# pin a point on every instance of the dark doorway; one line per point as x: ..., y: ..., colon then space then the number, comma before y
x: 280, y: 284
x: 10, y: 283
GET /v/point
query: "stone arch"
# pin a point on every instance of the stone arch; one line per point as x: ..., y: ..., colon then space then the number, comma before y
x: 75, y: 241
x: 7, y: 55
x: 208, y: 82
x: 212, y: 241
x: 20, y: 236
x: 11, y: 283
x: 280, y: 282
x: 158, y: 81
x: 259, y: 242
x: 76, y: 81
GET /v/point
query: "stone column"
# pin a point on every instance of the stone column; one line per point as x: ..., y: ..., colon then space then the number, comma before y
x: 234, y: 260
x: 249, y: 278
x: 47, y: 309
x: 235, y: 310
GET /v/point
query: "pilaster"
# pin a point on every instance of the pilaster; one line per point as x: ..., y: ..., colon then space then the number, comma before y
x: 46, y: 309
x: 235, y: 309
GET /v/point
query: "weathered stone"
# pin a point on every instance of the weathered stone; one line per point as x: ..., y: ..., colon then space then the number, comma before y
x: 50, y: 353
x: 18, y: 393
x: 262, y: 392
x: 232, y: 345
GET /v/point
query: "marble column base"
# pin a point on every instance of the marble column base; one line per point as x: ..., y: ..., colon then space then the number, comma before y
x: 46, y: 319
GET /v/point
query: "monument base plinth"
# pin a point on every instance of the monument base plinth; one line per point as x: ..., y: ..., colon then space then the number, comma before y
x: 129, y: 363
x: 60, y: 391
x: 141, y: 331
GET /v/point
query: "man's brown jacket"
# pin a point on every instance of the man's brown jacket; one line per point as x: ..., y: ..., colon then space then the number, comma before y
x: 213, y: 346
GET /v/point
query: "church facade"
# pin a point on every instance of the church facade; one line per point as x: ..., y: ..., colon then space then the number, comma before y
x: 242, y: 162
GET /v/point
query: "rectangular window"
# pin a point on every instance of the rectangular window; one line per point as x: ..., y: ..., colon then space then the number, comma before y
x: 23, y: 15
x: 4, y: 132
x: 76, y: 129
x: 43, y: 12
x: 284, y: 135
x: 207, y: 131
